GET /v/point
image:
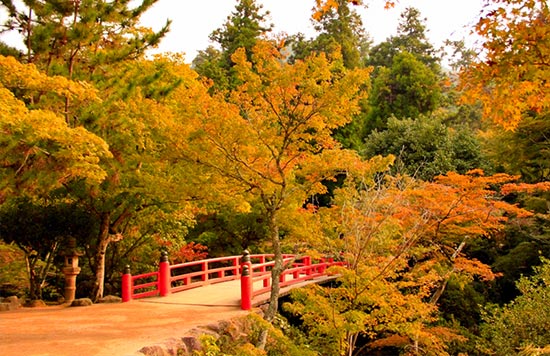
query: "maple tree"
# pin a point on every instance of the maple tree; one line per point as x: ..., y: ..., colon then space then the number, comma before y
x: 511, y: 78
x: 142, y: 119
x: 40, y: 152
x: 324, y: 6
x: 273, y: 142
x: 403, y: 240
x: 102, y: 44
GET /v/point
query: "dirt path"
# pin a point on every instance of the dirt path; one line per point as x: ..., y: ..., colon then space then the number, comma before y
x: 114, y: 329
x: 121, y: 329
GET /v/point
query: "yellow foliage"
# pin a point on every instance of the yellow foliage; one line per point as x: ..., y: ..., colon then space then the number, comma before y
x: 40, y: 150
x: 28, y: 80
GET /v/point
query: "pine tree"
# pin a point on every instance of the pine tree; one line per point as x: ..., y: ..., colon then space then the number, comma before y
x: 339, y: 29
x: 411, y: 38
x: 242, y: 29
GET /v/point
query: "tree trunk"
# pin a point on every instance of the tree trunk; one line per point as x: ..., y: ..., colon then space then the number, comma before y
x: 35, y: 292
x: 99, y: 258
x: 275, y: 273
x: 439, y: 292
x: 278, y: 267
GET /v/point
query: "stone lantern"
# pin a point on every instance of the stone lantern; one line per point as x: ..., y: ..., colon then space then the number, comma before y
x: 71, y: 269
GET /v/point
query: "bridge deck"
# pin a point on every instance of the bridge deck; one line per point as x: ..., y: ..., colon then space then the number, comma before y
x: 118, y: 329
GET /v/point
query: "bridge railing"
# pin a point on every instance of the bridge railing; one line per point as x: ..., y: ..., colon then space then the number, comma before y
x: 183, y: 276
x: 258, y: 281
x: 255, y: 277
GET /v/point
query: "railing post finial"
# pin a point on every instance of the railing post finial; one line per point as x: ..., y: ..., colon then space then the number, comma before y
x: 164, y: 256
x: 246, y: 281
x: 246, y: 256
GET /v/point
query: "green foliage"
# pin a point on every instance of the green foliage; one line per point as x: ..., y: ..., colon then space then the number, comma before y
x: 406, y: 89
x: 521, y: 249
x: 340, y: 30
x: 461, y: 303
x: 76, y: 37
x: 239, y: 336
x: 13, y: 279
x: 525, y: 151
x: 411, y: 38
x: 242, y: 29
x: 229, y: 233
x: 209, y: 63
x: 40, y: 230
x: 525, y: 321
x: 6, y: 50
x: 425, y: 148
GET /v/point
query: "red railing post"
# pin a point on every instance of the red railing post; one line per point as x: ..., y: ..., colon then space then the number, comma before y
x: 165, y: 283
x: 322, y: 266
x: 246, y: 281
x: 127, y: 285
x: 236, y: 265
x: 204, y: 268
x: 307, y: 262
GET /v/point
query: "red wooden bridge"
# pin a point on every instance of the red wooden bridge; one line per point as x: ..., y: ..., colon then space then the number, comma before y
x: 253, y: 271
x: 167, y: 305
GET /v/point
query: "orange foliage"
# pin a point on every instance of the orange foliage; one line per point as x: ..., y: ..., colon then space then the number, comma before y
x: 526, y: 188
x: 513, y: 77
x: 387, y: 226
x: 324, y: 6
x: 190, y: 252
x: 474, y: 267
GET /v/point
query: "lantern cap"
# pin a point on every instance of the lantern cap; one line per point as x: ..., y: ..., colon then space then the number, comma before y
x: 71, y: 250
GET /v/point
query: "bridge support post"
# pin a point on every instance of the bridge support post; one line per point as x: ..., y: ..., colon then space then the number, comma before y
x: 164, y: 275
x: 127, y: 285
x: 246, y: 281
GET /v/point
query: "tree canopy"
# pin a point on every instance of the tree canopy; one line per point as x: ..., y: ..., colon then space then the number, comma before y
x: 373, y: 155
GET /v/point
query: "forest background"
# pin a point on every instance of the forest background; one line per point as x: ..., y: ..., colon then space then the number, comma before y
x: 430, y: 181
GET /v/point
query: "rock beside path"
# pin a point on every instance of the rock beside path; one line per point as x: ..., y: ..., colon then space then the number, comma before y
x: 110, y: 299
x: 9, y: 303
x: 189, y: 344
x: 82, y: 302
x: 36, y: 304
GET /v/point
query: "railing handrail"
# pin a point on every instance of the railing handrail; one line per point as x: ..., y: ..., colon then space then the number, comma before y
x: 154, y: 287
x: 300, y: 274
x: 215, y: 259
x: 166, y: 280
